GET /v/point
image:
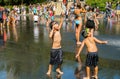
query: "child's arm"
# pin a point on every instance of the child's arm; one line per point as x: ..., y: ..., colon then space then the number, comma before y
x: 61, y: 22
x: 80, y: 49
x: 99, y: 41
x: 51, y: 33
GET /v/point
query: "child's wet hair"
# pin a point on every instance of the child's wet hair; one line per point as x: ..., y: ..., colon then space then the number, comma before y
x: 52, y: 23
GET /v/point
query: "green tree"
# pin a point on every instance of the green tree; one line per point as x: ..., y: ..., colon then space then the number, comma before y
x: 100, y: 3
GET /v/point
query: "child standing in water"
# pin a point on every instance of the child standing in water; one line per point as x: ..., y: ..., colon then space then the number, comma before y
x: 56, y: 53
x: 92, y: 55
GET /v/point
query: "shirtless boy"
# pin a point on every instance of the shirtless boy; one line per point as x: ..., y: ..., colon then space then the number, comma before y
x: 56, y: 53
x: 92, y: 55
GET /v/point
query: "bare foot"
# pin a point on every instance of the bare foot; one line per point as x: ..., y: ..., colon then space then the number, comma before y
x: 78, y: 43
x: 48, y: 73
x: 86, y: 78
x: 96, y: 77
x: 58, y: 71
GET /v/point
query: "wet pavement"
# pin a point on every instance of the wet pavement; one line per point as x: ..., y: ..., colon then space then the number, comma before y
x: 25, y: 55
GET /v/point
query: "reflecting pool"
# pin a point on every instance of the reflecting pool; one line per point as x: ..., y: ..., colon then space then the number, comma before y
x: 25, y: 55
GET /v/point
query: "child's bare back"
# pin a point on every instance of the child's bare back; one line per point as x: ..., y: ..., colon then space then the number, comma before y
x: 90, y: 44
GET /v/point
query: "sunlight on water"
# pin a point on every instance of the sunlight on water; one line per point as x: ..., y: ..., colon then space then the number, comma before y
x: 114, y: 42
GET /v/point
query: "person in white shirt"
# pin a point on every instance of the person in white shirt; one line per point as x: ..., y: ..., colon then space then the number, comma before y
x: 36, y: 18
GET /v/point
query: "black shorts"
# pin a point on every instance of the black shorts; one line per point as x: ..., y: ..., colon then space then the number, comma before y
x: 35, y: 21
x: 90, y: 24
x: 92, y: 59
x: 56, y: 56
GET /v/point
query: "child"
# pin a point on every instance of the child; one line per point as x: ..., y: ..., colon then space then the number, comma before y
x: 36, y: 18
x: 92, y: 55
x: 56, y: 54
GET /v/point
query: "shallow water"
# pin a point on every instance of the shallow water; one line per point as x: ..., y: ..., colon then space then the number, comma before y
x: 26, y: 54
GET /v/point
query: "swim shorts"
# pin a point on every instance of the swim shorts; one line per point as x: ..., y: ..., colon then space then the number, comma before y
x: 56, y: 56
x: 92, y: 59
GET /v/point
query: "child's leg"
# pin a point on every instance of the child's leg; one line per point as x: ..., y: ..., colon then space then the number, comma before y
x: 49, y: 69
x: 88, y: 72
x: 77, y: 34
x: 58, y: 70
x: 96, y: 72
x: 96, y: 24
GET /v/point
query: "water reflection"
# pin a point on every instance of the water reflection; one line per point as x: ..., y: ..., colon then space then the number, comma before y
x: 109, y: 25
x: 11, y: 73
x: 23, y: 17
x: 117, y: 28
x: 12, y: 33
x: 55, y: 76
x: 15, y: 35
x: 36, y: 33
x: 3, y: 39
x: 80, y: 70
x: 46, y: 31
x: 3, y: 75
x: 68, y: 26
x: 28, y: 57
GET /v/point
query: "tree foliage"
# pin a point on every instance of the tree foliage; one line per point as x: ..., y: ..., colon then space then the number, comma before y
x: 18, y: 2
x: 99, y: 3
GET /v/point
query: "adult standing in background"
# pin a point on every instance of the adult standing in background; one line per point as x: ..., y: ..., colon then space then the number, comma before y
x: 1, y: 19
x: 78, y: 23
x: 118, y: 10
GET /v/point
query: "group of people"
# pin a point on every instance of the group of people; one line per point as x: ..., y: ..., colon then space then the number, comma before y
x: 84, y: 19
x: 10, y: 17
x: 110, y: 11
x: 8, y: 21
x: 118, y: 10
